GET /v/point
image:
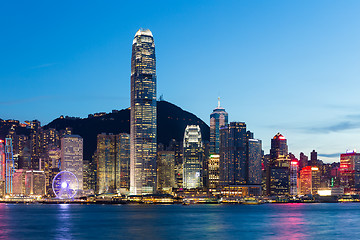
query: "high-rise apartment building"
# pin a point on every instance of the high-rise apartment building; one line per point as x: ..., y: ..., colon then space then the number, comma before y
x: 193, y: 155
x: 143, y: 114
x: 72, y: 156
x: 218, y: 119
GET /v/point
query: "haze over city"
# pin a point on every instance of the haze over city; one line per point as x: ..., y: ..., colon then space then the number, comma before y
x: 288, y: 67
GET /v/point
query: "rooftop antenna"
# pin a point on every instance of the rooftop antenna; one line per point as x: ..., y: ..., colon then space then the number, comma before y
x: 218, y: 102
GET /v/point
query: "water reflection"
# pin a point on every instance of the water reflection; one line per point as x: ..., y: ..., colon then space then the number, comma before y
x: 63, y: 222
x: 289, y: 222
x: 4, y: 228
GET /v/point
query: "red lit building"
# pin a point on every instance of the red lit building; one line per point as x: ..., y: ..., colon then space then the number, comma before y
x: 309, y: 180
x: 350, y: 172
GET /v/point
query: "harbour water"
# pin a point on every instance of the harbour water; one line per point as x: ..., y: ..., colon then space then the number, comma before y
x: 267, y: 221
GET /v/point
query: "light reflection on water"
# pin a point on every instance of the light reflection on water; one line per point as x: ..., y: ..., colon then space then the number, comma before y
x: 63, y: 222
x: 268, y: 221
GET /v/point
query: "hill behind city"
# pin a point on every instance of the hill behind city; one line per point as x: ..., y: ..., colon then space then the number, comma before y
x: 171, y: 122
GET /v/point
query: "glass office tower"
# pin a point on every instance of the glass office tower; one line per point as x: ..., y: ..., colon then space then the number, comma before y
x: 143, y: 114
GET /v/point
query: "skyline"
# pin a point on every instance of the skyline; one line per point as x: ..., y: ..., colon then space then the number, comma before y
x: 245, y: 45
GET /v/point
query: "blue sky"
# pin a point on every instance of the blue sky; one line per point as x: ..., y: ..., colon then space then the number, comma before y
x: 280, y: 66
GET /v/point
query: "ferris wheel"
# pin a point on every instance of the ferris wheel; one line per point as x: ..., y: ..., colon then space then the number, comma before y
x: 65, y: 185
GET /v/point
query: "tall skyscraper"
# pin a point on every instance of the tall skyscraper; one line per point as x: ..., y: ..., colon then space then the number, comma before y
x: 35, y: 144
x: 278, y: 147
x: 278, y: 168
x: 193, y: 157
x: 2, y: 160
x: 254, y: 158
x: 72, y: 156
x: 313, y: 158
x: 9, y: 165
x: 143, y: 114
x: 218, y: 119
x: 233, y: 154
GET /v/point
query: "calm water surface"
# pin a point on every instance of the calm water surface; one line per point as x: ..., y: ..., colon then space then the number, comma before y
x: 268, y: 221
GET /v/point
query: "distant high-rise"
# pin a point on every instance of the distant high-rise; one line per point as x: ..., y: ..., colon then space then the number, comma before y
x: 35, y: 144
x: 143, y: 114
x: 72, y: 156
x: 9, y: 165
x: 2, y: 160
x: 278, y: 147
x: 309, y: 180
x: 350, y: 172
x: 254, y: 164
x: 303, y: 162
x: 233, y: 154
x: 193, y: 158
x: 278, y: 169
x: 313, y: 158
x: 218, y: 119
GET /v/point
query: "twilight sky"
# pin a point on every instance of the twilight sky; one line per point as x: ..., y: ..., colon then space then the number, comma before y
x: 280, y: 66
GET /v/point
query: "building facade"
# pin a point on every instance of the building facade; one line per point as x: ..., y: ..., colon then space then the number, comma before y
x: 309, y: 180
x: 233, y: 154
x: 254, y: 165
x: 143, y: 144
x: 72, y: 156
x: 218, y: 119
x: 193, y: 155
x: 166, y: 171
x: 350, y: 172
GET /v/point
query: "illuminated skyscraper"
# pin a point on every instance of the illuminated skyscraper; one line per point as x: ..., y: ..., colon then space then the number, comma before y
x: 294, y: 167
x: 9, y: 165
x: 233, y: 154
x: 254, y: 161
x: 278, y: 168
x: 278, y: 147
x: 193, y: 157
x: 2, y: 160
x: 218, y: 119
x: 309, y: 180
x: 350, y: 172
x: 214, y: 172
x: 143, y: 114
x: 72, y: 156
x: 35, y: 144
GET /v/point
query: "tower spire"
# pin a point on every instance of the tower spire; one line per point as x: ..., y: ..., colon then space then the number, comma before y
x: 218, y: 102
